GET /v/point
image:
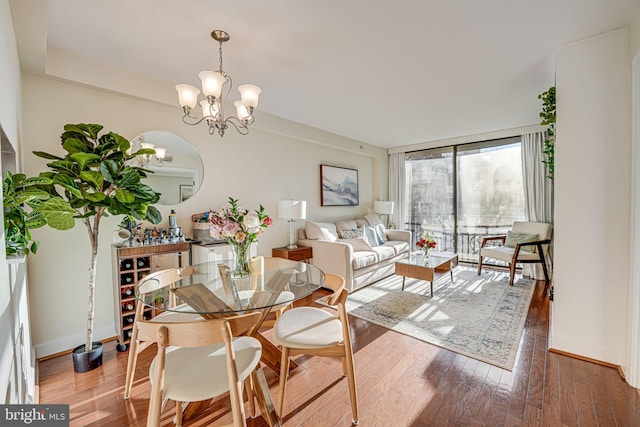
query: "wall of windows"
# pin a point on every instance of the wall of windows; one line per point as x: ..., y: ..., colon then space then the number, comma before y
x: 463, y: 193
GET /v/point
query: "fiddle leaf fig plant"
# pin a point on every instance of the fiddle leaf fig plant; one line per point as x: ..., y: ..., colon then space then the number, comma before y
x: 93, y: 179
x: 18, y: 193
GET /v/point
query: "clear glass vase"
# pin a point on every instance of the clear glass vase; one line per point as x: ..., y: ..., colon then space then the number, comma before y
x: 426, y: 255
x: 241, y: 260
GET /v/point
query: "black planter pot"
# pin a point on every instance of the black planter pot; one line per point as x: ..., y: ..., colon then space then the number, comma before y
x: 84, y: 361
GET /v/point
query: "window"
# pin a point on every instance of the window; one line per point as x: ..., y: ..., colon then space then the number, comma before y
x: 463, y: 193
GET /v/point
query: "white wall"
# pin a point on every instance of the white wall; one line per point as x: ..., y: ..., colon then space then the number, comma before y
x: 17, y: 373
x: 277, y: 160
x: 592, y: 192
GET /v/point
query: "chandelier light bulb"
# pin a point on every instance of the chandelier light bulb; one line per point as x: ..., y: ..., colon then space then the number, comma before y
x: 212, y: 82
x: 249, y: 95
x: 241, y: 110
x: 161, y: 153
x: 187, y: 95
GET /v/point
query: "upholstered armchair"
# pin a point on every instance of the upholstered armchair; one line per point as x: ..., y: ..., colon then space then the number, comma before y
x: 527, y: 242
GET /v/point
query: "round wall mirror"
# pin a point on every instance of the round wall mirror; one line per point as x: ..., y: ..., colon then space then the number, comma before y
x: 177, y: 166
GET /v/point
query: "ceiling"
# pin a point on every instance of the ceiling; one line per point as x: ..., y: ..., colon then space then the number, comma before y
x: 386, y: 73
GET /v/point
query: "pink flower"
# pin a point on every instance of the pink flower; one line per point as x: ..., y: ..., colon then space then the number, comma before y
x: 230, y: 229
x: 268, y: 221
x: 216, y: 231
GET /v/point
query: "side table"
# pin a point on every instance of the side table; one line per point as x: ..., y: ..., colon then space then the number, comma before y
x: 301, y: 253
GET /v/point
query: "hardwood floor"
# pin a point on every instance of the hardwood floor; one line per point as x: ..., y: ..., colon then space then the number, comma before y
x: 401, y: 382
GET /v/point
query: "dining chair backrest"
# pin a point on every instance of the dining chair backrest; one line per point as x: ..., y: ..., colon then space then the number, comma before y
x: 163, y: 278
x: 200, y: 333
x: 337, y: 285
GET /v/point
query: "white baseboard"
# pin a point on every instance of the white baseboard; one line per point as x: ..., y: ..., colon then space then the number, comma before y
x: 70, y: 342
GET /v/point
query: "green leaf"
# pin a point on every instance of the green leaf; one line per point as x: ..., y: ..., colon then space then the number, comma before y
x: 58, y: 213
x: 74, y: 145
x: 124, y: 196
x: 65, y: 166
x: 35, y: 220
x: 36, y: 180
x: 95, y: 197
x: 153, y: 215
x: 143, y: 151
x: 85, y: 158
x: 109, y: 170
x: 47, y: 156
x: 144, y: 193
x: 34, y: 246
x: 90, y: 130
x: 93, y: 177
x: 129, y: 177
x: 122, y: 142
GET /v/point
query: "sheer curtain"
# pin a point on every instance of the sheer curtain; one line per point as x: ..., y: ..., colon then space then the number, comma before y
x: 397, y: 188
x: 538, y: 192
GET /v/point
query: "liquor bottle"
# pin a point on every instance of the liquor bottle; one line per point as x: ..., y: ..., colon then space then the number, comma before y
x: 126, y: 264
x: 127, y: 292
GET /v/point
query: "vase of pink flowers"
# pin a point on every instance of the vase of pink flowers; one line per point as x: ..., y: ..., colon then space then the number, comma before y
x: 426, y: 243
x: 240, y: 228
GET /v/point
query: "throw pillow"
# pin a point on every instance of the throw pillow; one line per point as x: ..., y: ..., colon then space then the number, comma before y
x: 354, y: 233
x: 346, y: 224
x: 513, y: 238
x: 319, y: 231
x: 357, y: 244
x: 373, y: 218
x: 381, y: 233
x: 371, y: 236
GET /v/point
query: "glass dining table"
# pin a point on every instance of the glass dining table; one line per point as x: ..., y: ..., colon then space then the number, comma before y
x: 213, y: 292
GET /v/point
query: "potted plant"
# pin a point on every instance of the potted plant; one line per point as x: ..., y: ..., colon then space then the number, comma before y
x: 18, y: 191
x: 95, y: 178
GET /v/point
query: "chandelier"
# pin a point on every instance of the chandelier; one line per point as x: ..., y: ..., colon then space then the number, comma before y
x: 144, y: 160
x: 213, y: 88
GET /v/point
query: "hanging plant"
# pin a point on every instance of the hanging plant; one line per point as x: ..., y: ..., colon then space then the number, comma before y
x: 548, y: 116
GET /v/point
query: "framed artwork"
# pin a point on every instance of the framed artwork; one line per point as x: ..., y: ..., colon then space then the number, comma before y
x: 186, y: 191
x: 338, y: 186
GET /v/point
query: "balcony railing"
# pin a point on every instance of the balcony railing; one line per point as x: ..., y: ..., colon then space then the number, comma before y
x: 469, y: 237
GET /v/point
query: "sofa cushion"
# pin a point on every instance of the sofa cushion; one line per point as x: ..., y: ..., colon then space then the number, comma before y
x: 398, y: 246
x: 358, y: 244
x: 321, y: 231
x: 362, y: 259
x: 373, y: 218
x: 384, y: 252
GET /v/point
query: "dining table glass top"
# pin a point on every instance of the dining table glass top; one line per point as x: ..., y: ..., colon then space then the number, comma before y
x: 211, y: 289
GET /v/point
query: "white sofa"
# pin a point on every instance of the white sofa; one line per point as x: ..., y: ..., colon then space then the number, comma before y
x: 354, y: 258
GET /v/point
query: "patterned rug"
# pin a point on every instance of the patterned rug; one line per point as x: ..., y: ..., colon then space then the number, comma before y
x: 481, y: 317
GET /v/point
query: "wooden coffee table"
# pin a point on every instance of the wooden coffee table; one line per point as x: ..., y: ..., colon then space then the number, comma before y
x: 438, y: 264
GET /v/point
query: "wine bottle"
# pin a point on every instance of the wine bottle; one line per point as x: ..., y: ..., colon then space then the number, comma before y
x: 127, y: 320
x: 126, y: 264
x: 127, y: 292
x: 127, y: 306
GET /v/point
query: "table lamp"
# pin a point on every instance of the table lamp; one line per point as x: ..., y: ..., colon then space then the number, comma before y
x: 292, y: 210
x: 382, y: 207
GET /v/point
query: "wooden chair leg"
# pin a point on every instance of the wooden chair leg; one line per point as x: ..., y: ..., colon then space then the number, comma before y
x: 512, y: 273
x: 479, y: 264
x: 284, y: 371
x: 263, y: 397
x: 351, y: 378
x: 544, y: 269
x: 131, y: 364
x: 248, y: 386
x: 178, y: 414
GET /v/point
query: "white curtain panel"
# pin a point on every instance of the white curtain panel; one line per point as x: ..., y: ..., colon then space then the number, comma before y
x: 397, y: 189
x: 538, y: 192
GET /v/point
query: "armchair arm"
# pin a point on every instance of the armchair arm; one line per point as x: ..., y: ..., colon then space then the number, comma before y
x: 399, y: 235
x: 332, y: 257
x: 490, y: 238
x: 537, y: 243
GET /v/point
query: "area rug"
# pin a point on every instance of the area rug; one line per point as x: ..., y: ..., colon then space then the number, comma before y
x: 481, y: 317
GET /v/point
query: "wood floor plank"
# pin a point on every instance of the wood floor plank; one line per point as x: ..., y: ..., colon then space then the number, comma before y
x: 401, y: 382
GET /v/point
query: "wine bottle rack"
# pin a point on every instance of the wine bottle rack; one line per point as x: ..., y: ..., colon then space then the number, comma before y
x: 130, y: 265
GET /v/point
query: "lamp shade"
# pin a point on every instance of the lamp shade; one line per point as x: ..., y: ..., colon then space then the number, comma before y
x: 382, y: 207
x: 292, y: 209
